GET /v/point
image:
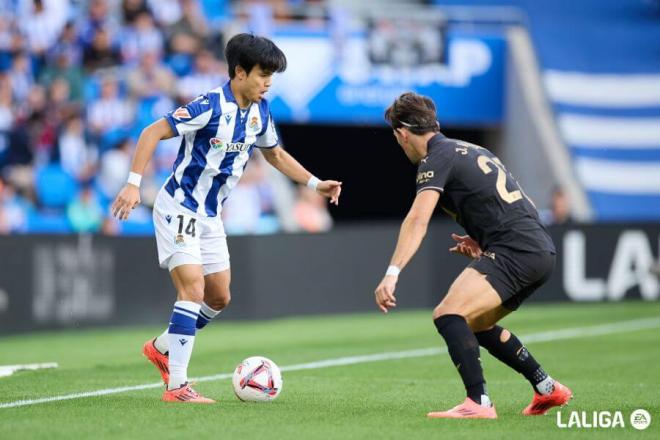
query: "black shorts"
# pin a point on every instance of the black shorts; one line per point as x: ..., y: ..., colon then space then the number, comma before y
x: 514, y: 275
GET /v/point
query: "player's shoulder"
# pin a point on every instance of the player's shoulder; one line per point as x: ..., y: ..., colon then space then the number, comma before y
x: 440, y: 150
x: 204, y: 102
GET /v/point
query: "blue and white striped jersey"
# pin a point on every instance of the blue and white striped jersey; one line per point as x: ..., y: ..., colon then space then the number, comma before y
x: 218, y: 139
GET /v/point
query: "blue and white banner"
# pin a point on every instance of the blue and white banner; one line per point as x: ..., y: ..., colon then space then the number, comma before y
x: 331, y: 81
x: 611, y: 124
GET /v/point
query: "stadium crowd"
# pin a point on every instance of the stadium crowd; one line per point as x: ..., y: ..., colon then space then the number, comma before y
x: 79, y: 80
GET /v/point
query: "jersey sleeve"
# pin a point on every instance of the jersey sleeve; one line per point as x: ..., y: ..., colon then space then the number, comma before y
x: 433, y: 172
x: 191, y: 117
x: 269, y: 138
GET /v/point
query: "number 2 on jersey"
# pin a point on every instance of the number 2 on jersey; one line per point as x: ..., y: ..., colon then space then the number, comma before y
x: 190, y: 229
x: 485, y: 163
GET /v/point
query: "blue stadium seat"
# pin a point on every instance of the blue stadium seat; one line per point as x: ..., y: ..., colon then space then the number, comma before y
x: 48, y: 223
x: 54, y: 186
x: 132, y: 227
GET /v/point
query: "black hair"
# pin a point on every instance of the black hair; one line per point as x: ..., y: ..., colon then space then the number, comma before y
x: 414, y: 112
x: 247, y: 50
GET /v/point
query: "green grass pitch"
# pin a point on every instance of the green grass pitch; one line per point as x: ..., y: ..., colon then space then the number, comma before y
x: 372, y: 400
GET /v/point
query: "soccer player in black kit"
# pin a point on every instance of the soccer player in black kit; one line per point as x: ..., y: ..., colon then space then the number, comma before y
x: 512, y: 255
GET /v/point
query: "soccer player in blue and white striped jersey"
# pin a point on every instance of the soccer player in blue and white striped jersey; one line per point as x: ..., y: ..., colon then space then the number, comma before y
x: 219, y: 132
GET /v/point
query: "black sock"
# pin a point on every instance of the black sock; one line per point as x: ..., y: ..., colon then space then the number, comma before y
x: 463, y: 348
x: 513, y: 353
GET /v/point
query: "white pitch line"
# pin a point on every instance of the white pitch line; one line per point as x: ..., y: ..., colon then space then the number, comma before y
x: 554, y: 335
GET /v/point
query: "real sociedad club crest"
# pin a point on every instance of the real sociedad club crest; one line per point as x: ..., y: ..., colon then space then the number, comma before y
x: 217, y: 143
x: 254, y: 122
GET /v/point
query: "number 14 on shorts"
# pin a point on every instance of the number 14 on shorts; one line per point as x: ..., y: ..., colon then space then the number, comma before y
x: 187, y: 228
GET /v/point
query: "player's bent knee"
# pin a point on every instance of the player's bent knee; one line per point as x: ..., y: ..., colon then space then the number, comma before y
x: 442, y: 310
x: 220, y: 302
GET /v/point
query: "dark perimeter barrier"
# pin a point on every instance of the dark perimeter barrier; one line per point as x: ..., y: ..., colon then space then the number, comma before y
x: 49, y: 282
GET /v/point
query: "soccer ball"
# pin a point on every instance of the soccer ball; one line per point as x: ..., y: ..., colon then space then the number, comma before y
x: 257, y: 379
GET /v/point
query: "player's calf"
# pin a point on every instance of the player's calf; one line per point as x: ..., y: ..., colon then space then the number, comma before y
x: 463, y: 349
x: 507, y: 348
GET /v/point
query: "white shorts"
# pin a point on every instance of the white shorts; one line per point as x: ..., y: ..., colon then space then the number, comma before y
x: 185, y: 237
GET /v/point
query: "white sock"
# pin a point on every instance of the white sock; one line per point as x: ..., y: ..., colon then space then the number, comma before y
x: 161, y: 342
x: 546, y: 386
x: 206, y: 314
x: 181, y: 338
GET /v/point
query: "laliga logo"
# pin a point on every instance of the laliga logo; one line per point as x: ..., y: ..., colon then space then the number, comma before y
x: 640, y: 419
x: 632, y: 259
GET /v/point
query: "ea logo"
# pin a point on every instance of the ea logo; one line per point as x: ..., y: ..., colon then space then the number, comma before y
x: 640, y: 419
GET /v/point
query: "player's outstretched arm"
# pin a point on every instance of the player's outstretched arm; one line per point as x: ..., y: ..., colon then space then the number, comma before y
x: 291, y: 168
x: 129, y: 196
x: 413, y: 230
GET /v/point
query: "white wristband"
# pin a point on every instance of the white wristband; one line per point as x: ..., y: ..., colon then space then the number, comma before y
x: 313, y: 182
x: 134, y: 178
x: 393, y: 270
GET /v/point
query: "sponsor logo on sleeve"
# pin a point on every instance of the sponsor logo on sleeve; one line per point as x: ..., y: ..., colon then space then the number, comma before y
x: 424, y: 177
x: 181, y: 113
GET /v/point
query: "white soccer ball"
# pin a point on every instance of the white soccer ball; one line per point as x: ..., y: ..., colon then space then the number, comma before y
x: 257, y: 379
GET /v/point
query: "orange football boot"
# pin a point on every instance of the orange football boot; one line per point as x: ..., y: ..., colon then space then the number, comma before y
x: 469, y: 409
x: 542, y: 403
x: 160, y: 360
x: 185, y: 394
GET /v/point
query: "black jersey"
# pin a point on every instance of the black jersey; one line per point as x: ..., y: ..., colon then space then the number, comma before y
x: 481, y: 196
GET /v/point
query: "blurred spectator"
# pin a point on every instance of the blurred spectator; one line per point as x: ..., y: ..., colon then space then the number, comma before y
x: 166, y: 12
x: 21, y: 76
x: 76, y: 157
x: 14, y: 144
x: 68, y: 45
x: 311, y: 212
x: 559, y: 211
x: 246, y: 210
x: 6, y: 113
x: 188, y: 34
x: 11, y: 40
x: 85, y: 213
x: 42, y: 125
x: 60, y: 103
x: 150, y: 78
x: 42, y: 21
x: 63, y: 67
x: 98, y: 17
x: 131, y: 9
x: 109, y: 117
x: 13, y: 210
x: 114, y: 167
x: 207, y: 74
x: 140, y: 38
x: 101, y: 54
